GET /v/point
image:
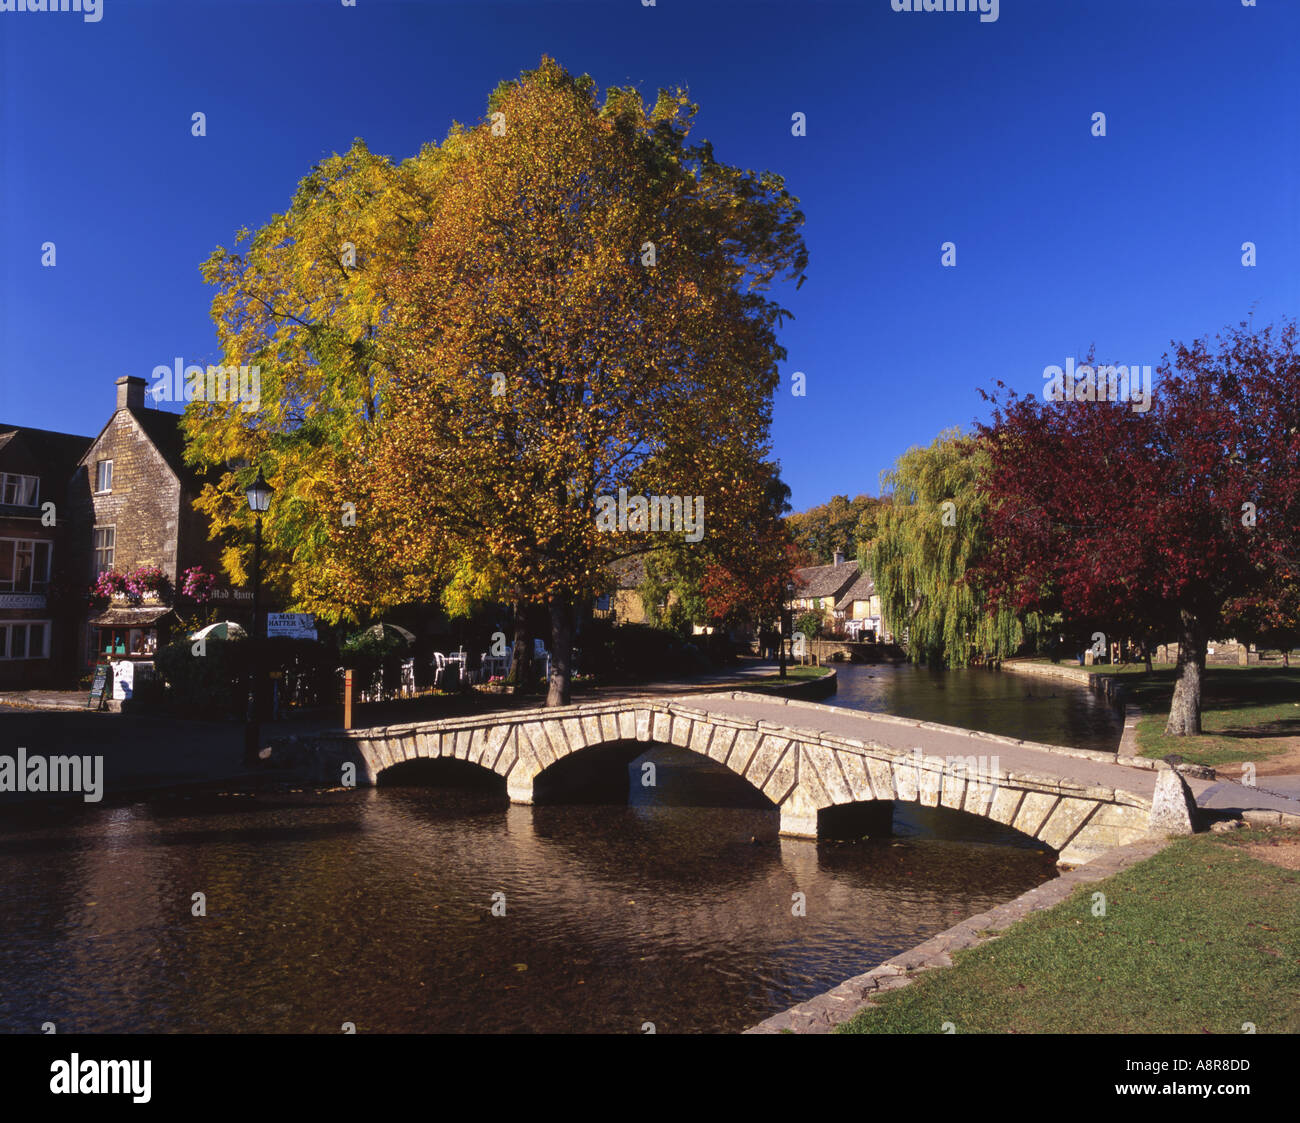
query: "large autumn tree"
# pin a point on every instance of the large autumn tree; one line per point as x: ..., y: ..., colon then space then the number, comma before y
x: 304, y: 300
x: 585, y: 312
x: 1172, y: 515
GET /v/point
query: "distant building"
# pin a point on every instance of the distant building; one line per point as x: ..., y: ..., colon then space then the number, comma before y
x: 844, y: 593
x: 822, y: 586
x: 623, y: 603
x: 859, y: 608
x: 35, y: 467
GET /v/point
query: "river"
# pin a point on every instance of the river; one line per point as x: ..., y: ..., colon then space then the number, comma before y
x: 446, y: 909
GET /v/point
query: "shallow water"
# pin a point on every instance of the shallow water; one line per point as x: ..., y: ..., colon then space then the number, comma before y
x: 376, y: 906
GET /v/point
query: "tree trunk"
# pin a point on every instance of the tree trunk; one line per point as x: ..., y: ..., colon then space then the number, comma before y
x: 1185, y: 709
x: 521, y: 659
x: 557, y: 693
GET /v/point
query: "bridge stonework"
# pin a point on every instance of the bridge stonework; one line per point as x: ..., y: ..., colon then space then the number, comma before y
x: 801, y: 769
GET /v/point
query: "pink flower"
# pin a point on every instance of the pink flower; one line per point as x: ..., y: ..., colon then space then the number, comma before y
x: 197, y: 585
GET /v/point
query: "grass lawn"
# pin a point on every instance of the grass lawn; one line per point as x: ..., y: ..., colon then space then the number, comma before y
x: 1246, y: 714
x: 797, y: 671
x: 1203, y: 937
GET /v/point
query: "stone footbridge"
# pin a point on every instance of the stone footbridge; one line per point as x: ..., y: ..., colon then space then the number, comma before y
x: 804, y: 757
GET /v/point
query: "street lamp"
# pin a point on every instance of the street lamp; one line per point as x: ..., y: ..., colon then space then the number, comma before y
x: 786, y: 621
x: 259, y: 494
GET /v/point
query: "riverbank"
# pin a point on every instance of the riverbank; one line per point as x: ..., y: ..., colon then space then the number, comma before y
x: 1249, y: 715
x: 1197, y: 937
x: 840, y: 1008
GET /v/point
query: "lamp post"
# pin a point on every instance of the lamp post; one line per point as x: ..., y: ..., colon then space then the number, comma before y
x: 785, y: 622
x: 259, y: 494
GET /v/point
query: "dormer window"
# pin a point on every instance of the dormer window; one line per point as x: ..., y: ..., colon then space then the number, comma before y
x: 103, y: 476
x: 19, y: 491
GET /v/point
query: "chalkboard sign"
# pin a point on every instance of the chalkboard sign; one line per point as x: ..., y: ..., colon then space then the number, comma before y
x: 97, y: 688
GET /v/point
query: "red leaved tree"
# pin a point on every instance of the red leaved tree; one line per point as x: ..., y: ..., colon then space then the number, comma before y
x: 1169, y: 515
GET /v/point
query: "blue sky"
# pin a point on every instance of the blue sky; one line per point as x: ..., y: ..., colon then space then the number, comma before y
x: 922, y: 128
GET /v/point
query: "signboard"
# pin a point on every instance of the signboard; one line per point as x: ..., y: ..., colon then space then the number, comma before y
x: 22, y: 600
x: 226, y: 594
x: 97, y: 687
x: 123, y: 680
x: 295, y: 625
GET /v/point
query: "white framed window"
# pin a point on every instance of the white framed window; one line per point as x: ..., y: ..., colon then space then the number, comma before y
x: 24, y: 639
x: 105, y: 544
x: 20, y: 491
x: 25, y: 565
x: 103, y: 476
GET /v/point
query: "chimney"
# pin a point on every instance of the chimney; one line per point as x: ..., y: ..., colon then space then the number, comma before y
x: 839, y: 557
x: 130, y: 392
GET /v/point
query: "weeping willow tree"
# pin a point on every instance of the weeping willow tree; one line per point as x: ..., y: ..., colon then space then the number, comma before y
x: 929, y: 534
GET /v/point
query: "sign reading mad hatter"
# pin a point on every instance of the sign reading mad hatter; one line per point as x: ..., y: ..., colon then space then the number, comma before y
x: 295, y: 625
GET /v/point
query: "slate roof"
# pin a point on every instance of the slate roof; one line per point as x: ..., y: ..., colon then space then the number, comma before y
x: 861, y: 589
x: 824, y: 580
x: 57, y: 453
x: 57, y: 449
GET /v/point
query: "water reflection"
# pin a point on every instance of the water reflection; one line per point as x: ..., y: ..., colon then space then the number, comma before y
x: 376, y: 907
x: 1051, y: 711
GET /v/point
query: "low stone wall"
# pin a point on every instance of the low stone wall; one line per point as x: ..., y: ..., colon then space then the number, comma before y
x: 1108, y: 685
x: 821, y: 650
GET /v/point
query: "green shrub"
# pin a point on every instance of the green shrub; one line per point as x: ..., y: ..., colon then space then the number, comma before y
x: 209, y: 685
x: 810, y: 623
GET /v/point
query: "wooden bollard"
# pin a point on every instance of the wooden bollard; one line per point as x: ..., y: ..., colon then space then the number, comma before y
x: 347, y: 699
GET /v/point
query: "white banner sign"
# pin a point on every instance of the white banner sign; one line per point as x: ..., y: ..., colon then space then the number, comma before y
x: 295, y: 625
